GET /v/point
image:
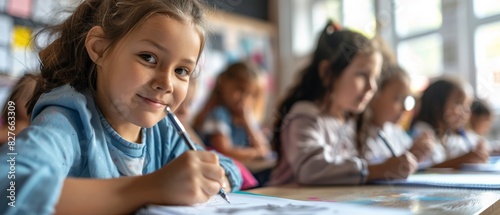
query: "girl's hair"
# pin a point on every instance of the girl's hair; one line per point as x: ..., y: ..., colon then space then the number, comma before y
x: 390, y: 72
x: 23, y: 89
x: 480, y: 107
x: 66, y: 61
x: 339, y: 47
x: 433, y: 100
x: 239, y: 72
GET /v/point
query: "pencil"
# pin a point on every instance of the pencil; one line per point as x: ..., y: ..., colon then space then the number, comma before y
x: 384, y: 139
x: 182, y: 132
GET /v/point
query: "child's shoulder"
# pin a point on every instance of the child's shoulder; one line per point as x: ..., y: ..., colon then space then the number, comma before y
x: 67, y: 101
x: 304, y: 108
x: 220, y: 112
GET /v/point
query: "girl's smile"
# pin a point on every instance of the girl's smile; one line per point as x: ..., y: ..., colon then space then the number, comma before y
x: 155, y: 103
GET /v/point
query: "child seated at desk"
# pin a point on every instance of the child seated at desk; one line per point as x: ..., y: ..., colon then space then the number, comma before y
x: 444, y: 111
x: 481, y: 117
x: 18, y: 99
x: 314, y: 133
x: 385, y: 138
x: 227, y: 123
x: 99, y: 141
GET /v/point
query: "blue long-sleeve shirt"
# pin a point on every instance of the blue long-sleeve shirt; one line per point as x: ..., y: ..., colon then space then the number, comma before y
x: 69, y: 138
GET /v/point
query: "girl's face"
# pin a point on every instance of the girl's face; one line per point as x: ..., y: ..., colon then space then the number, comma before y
x: 357, y: 84
x: 238, y: 95
x: 457, y: 110
x: 388, y: 103
x: 481, y: 124
x: 145, y: 72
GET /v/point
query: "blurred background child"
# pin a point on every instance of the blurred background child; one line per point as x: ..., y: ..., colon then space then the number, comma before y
x: 385, y: 137
x: 481, y: 117
x: 227, y: 122
x: 21, y: 93
x: 444, y: 111
x: 183, y: 112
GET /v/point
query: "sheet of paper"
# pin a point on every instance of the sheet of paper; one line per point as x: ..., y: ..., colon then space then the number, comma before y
x: 242, y: 204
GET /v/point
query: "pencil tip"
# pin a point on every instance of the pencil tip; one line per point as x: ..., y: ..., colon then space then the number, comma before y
x: 224, y: 195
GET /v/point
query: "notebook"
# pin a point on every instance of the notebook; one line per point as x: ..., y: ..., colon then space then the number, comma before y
x: 460, y: 180
x: 493, y: 165
x: 242, y: 204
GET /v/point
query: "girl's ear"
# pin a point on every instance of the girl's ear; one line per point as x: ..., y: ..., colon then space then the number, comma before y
x: 324, y: 69
x: 96, y: 44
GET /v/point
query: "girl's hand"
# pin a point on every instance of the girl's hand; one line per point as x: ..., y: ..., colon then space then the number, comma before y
x: 422, y: 147
x: 262, y: 151
x: 394, y: 168
x: 193, y: 177
x: 480, y: 154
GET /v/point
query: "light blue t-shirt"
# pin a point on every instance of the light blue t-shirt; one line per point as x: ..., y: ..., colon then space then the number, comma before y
x: 69, y: 138
x: 219, y: 121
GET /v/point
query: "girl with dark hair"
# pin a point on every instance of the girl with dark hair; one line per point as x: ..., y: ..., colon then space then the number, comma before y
x: 444, y: 111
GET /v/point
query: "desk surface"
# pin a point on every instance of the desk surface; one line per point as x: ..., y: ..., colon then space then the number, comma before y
x: 419, y: 200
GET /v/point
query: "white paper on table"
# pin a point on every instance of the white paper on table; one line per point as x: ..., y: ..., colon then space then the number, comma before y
x: 242, y: 204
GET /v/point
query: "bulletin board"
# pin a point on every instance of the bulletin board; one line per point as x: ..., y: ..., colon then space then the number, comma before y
x: 19, y: 22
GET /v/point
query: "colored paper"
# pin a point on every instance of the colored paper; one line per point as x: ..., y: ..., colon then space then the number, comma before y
x: 4, y: 60
x: 22, y: 37
x: 6, y: 25
x: 3, y: 4
x: 20, y: 8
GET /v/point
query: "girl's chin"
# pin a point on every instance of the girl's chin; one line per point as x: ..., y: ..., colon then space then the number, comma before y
x: 148, y: 122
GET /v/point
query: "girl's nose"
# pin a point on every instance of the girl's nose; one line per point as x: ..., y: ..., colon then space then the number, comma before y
x: 163, y: 83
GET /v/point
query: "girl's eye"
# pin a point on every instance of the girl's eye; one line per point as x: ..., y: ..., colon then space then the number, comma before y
x: 182, y: 71
x: 148, y: 58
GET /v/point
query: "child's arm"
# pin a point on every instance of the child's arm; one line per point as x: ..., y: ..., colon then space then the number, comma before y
x: 422, y: 147
x: 313, y: 160
x: 224, y: 145
x: 255, y: 136
x: 394, y: 168
x: 194, y: 177
x: 480, y: 154
x: 217, y: 127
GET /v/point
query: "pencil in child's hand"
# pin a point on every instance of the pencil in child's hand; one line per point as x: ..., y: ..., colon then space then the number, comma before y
x: 182, y: 132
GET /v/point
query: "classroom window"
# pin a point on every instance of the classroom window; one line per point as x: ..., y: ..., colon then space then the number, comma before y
x: 323, y: 11
x: 422, y: 57
x: 485, y: 8
x: 359, y: 15
x: 409, y: 17
x: 487, y: 53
